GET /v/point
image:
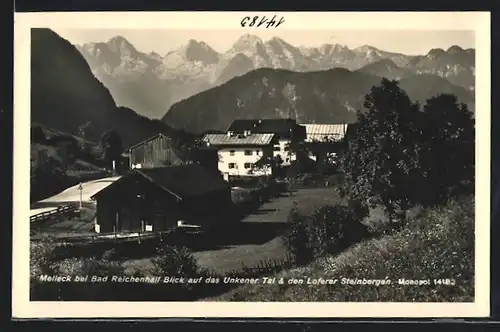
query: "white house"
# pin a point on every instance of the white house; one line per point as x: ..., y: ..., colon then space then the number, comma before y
x: 285, y: 132
x: 323, y: 133
x: 239, y: 152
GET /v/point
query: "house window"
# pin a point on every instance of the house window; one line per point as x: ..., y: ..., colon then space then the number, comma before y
x: 232, y: 165
x: 248, y: 152
x: 248, y: 165
x: 277, y: 148
x: 287, y: 148
x: 231, y: 152
x: 257, y: 152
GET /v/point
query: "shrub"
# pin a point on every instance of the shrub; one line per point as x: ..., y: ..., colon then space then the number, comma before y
x: 328, y: 229
x: 42, y: 257
x: 89, y: 266
x: 175, y: 261
x: 79, y: 290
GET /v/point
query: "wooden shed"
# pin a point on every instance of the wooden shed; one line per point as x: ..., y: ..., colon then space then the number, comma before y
x: 157, y: 151
x: 157, y: 199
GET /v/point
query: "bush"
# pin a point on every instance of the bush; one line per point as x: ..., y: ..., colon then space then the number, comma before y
x: 82, y: 289
x: 89, y: 266
x: 328, y: 229
x: 175, y: 261
x: 42, y: 257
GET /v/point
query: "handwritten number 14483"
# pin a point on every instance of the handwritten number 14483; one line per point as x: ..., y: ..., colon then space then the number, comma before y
x: 261, y: 21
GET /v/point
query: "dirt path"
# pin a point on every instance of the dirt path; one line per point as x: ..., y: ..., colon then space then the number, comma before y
x: 278, y: 209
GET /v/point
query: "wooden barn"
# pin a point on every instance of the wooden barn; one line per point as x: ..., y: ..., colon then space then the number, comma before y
x: 156, y: 151
x: 160, y: 150
x: 157, y: 199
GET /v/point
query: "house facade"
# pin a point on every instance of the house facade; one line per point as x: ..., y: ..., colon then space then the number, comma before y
x: 238, y: 153
x: 157, y: 199
x: 286, y: 132
x: 321, y: 140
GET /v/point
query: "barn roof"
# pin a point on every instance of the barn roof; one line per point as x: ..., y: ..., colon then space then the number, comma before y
x: 170, y: 139
x: 277, y: 126
x: 318, y: 132
x: 252, y: 139
x: 181, y: 180
x: 144, y: 141
x: 185, y: 180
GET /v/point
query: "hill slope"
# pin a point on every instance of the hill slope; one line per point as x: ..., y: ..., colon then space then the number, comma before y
x: 65, y: 94
x: 330, y: 96
x: 385, y: 68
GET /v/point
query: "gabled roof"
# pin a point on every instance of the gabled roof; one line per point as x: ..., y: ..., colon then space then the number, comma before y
x: 277, y: 126
x: 147, y: 140
x: 239, y: 140
x: 185, y: 180
x: 181, y: 180
x: 319, y: 132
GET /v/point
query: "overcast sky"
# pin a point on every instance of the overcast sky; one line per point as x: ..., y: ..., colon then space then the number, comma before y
x: 163, y: 41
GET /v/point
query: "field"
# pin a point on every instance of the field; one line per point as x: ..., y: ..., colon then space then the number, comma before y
x: 256, y: 238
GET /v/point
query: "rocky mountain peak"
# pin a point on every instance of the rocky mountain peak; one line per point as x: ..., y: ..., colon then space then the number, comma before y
x: 155, y: 56
x: 119, y: 44
x: 277, y: 40
x: 199, y: 51
x: 366, y: 49
x: 328, y: 49
x: 246, y: 41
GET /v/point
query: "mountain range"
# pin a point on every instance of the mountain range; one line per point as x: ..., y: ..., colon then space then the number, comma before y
x: 151, y: 83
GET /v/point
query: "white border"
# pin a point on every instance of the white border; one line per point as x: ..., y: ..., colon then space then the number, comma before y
x: 23, y: 308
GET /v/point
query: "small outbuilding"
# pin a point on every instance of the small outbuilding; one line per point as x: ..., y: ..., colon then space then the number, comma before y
x: 157, y: 199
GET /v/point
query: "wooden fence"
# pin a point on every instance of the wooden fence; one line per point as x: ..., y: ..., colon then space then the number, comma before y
x: 57, y: 212
x: 262, y: 267
x: 107, y: 237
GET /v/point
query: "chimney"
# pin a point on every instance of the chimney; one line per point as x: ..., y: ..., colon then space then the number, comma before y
x: 228, y: 134
x: 114, y: 167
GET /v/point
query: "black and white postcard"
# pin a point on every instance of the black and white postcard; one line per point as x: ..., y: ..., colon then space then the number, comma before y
x: 267, y: 164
